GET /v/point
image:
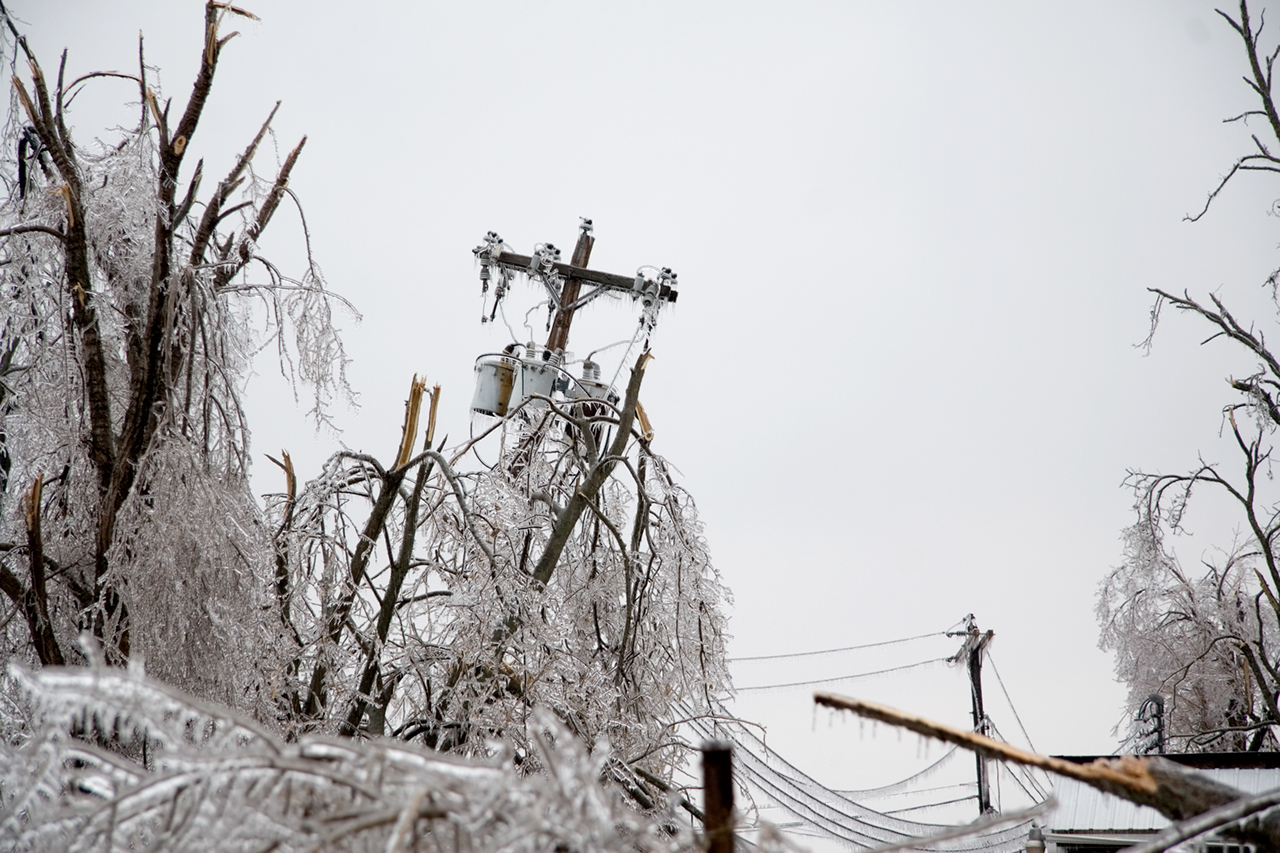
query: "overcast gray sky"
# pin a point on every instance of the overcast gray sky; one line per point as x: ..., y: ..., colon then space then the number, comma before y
x: 913, y: 238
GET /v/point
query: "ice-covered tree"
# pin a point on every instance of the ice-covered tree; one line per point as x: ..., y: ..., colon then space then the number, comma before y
x: 1207, y: 638
x: 405, y: 597
x: 108, y: 761
x: 429, y: 603
x: 128, y: 287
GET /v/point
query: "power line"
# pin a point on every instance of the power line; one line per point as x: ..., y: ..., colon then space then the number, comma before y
x: 933, y: 805
x: 1010, y: 701
x: 839, y: 678
x: 845, y: 649
x: 1010, y: 770
x: 1014, y: 770
x: 903, y: 786
x: 832, y: 814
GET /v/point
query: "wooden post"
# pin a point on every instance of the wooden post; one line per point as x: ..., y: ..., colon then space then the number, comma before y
x: 717, y: 796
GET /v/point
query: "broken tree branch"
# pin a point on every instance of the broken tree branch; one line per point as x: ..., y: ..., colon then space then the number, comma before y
x: 1159, y: 783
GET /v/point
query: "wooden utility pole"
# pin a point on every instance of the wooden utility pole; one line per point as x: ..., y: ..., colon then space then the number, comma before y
x: 980, y: 717
x: 559, y: 337
x: 717, y: 796
x: 975, y: 643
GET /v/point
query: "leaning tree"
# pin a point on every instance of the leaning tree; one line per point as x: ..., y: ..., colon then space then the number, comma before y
x: 1207, y: 638
x: 430, y: 601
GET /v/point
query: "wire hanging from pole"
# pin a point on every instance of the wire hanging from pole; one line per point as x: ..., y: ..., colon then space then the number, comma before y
x: 835, y: 651
x: 841, y: 818
x: 916, y: 665
x: 1000, y: 681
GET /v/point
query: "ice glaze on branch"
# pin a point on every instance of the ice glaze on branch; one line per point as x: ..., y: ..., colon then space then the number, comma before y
x: 1158, y: 783
x: 125, y: 352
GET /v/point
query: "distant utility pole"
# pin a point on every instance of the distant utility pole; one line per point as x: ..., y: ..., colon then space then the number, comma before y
x: 975, y: 642
x: 564, y: 282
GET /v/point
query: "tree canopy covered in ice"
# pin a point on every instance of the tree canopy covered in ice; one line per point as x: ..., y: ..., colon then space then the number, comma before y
x: 564, y: 594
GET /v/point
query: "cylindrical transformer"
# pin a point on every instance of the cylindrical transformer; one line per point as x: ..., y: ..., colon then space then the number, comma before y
x: 495, y: 378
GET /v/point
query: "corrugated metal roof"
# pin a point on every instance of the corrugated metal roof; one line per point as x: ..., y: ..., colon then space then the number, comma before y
x: 1085, y: 809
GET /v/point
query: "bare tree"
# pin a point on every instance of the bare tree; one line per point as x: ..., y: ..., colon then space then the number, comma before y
x: 126, y: 339
x: 1208, y: 638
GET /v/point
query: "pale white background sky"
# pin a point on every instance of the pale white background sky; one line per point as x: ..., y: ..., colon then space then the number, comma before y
x: 913, y: 240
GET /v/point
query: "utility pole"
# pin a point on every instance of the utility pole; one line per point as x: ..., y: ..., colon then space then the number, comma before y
x: 975, y: 642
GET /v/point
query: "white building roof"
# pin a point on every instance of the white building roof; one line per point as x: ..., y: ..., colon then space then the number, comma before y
x: 1085, y: 809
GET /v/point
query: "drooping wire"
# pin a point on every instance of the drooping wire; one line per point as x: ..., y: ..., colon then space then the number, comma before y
x: 592, y: 354
x: 529, y: 313
x: 967, y: 786
x: 1000, y: 680
x: 626, y: 356
x: 475, y: 450
x: 502, y: 309
x: 828, y: 811
x: 1013, y: 769
x: 803, y: 796
x: 932, y: 805
x: 903, y: 785
x: 834, y: 651
x: 916, y: 665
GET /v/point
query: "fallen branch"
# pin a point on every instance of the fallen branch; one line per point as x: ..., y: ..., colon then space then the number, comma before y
x: 1171, y: 789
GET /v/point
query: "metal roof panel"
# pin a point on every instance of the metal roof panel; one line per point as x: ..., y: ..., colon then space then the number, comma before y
x: 1085, y: 809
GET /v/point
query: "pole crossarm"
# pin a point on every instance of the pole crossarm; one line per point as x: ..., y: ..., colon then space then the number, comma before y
x: 524, y: 263
x: 563, y: 282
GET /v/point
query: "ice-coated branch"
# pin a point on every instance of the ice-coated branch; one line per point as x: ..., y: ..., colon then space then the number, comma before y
x: 37, y: 599
x: 184, y: 775
x: 213, y: 210
x: 33, y: 229
x: 1227, y: 326
x: 77, y: 270
x: 229, y: 266
x: 123, y: 373
x: 1259, y: 82
x: 1171, y: 789
x: 1214, y: 818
